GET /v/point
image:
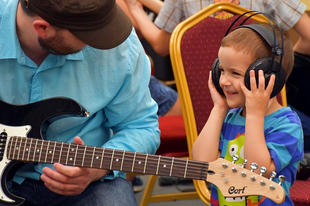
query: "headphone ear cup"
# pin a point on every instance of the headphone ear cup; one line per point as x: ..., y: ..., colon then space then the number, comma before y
x: 216, y: 74
x: 267, y: 66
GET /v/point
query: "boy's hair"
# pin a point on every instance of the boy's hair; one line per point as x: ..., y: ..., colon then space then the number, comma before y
x: 250, y: 42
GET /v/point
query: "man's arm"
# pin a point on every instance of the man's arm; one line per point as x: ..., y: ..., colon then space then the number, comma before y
x: 159, y: 39
x: 302, y: 27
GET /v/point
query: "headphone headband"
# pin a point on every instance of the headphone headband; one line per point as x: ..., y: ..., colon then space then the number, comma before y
x: 263, y: 32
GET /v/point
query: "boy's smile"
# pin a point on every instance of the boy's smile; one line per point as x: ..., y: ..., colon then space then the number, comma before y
x: 233, y: 66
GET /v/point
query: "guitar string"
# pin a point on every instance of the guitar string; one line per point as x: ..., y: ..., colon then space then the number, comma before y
x: 154, y: 158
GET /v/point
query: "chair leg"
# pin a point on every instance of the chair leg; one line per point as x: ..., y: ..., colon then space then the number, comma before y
x: 148, y: 190
x: 148, y: 196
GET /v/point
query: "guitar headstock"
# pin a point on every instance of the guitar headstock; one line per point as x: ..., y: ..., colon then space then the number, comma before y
x: 236, y: 181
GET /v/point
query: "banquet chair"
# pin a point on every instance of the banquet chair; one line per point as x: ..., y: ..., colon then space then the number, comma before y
x: 194, y: 46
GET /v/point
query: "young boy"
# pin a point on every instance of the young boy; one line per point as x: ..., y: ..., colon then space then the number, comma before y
x: 248, y: 122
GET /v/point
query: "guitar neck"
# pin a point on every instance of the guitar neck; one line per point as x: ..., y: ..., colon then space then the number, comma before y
x: 44, y: 151
x: 154, y: 5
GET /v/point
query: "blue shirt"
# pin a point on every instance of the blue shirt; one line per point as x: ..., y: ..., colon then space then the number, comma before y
x: 284, y: 139
x: 110, y: 84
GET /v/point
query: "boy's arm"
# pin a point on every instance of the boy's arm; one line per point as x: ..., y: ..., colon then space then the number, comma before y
x: 258, y: 104
x: 157, y: 38
x: 302, y: 27
x: 206, y: 147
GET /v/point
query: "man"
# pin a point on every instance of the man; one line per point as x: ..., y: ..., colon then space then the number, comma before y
x: 86, y: 51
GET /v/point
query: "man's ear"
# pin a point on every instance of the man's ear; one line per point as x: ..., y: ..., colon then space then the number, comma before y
x: 43, y: 28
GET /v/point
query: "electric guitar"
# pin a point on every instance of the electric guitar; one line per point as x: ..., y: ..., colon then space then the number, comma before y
x: 19, y: 121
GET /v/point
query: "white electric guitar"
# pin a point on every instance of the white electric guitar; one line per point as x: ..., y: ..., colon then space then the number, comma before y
x: 17, y: 122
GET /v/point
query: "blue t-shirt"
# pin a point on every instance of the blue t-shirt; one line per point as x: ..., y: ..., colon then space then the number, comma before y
x: 284, y: 139
x: 110, y: 84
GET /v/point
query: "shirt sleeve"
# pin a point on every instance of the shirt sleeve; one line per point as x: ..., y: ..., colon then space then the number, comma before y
x: 284, y: 140
x: 132, y: 113
x: 286, y: 12
x: 170, y: 15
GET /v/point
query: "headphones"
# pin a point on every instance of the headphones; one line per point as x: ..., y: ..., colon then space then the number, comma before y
x: 269, y: 65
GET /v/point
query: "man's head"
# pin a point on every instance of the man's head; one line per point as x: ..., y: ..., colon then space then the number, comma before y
x: 98, y: 23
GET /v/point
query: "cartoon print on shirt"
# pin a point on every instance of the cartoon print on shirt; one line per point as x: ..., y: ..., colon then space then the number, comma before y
x: 236, y: 147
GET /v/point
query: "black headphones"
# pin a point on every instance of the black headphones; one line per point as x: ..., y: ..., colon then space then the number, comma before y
x: 269, y: 65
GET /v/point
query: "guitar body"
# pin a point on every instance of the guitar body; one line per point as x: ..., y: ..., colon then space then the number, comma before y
x: 23, y: 121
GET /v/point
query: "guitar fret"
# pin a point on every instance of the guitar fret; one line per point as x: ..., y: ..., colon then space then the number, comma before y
x: 171, y: 166
x: 53, y: 155
x: 158, y: 165
x: 10, y: 150
x: 76, y: 150
x: 112, y: 159
x: 133, y: 162
x: 60, y: 152
x: 25, y: 148
x: 84, y: 156
x: 68, y: 152
x: 40, y: 151
x: 29, y: 150
x: 92, y: 159
x: 186, y: 168
x: 14, y: 149
x: 145, y: 163
x: 102, y: 157
x: 34, y: 151
x: 47, y: 150
x: 20, y: 146
x: 123, y: 157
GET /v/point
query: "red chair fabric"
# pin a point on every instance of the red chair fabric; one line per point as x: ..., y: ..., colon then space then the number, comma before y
x: 173, y: 137
x: 300, y: 192
x: 199, y: 49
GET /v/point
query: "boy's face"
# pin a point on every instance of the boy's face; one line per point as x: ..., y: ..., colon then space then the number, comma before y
x: 233, y: 66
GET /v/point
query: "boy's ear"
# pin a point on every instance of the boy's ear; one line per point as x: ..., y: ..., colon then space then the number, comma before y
x: 43, y: 28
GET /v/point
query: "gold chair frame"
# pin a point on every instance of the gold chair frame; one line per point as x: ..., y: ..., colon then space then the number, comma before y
x: 181, y: 82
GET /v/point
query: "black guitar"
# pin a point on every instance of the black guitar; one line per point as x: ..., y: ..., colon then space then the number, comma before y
x: 19, y: 121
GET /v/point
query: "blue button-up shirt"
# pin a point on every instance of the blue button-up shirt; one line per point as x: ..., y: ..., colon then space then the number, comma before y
x: 110, y: 84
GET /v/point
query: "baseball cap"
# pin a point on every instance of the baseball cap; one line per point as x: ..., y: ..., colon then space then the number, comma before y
x: 101, y: 24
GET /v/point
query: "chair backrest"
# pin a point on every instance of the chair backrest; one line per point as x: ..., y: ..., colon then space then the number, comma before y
x: 194, y: 46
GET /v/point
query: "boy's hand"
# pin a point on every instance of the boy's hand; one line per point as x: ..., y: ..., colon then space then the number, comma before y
x: 217, y: 98
x: 257, y: 99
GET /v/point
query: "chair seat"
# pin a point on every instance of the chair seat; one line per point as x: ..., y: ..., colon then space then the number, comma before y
x: 173, y: 137
x: 300, y: 192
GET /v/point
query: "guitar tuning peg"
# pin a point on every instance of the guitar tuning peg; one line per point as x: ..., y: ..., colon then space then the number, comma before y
x: 254, y: 166
x: 272, y: 175
x: 282, y: 179
x: 262, y: 170
x: 244, y: 163
x: 235, y: 158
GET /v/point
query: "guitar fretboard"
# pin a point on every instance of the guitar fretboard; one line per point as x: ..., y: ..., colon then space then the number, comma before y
x: 45, y: 151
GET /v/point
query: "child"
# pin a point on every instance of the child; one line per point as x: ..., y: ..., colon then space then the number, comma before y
x: 248, y: 122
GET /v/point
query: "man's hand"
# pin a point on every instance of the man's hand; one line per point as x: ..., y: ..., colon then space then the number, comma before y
x: 67, y: 180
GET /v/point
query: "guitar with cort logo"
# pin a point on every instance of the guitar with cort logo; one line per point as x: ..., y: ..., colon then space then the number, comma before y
x: 22, y: 142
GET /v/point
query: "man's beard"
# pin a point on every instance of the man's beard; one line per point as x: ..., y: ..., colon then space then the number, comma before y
x: 56, y: 45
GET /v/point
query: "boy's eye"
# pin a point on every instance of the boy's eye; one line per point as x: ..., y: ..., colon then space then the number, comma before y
x: 221, y: 70
x: 236, y: 73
